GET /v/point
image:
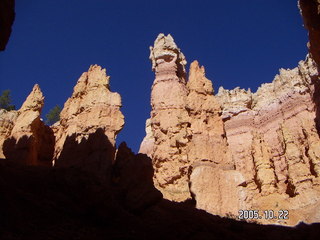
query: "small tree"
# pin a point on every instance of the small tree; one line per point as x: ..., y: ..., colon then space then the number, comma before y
x: 5, y: 101
x: 53, y: 115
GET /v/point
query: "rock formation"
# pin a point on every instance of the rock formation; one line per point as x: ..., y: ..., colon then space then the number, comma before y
x: 7, y: 120
x: 30, y: 141
x: 310, y: 10
x: 185, y: 127
x: 206, y: 130
x: 132, y: 179
x: 238, y: 149
x: 147, y: 143
x: 218, y: 191
x: 89, y: 123
x: 7, y: 16
x: 169, y: 118
x: 273, y: 140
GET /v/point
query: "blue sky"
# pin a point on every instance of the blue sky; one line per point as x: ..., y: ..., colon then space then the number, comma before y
x: 240, y: 43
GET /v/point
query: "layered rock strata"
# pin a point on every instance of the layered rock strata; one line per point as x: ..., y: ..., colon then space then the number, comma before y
x: 169, y: 118
x: 89, y: 122
x: 273, y: 140
x: 185, y: 127
x: 238, y: 149
x: 31, y: 142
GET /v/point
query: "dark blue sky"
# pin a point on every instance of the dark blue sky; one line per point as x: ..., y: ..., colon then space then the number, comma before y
x: 240, y: 43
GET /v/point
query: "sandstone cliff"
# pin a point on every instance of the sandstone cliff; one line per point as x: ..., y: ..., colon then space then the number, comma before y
x: 89, y: 122
x: 274, y: 142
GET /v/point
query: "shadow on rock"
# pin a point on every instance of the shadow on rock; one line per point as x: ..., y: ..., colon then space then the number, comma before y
x: 132, y: 179
x: 93, y: 153
x: 31, y: 150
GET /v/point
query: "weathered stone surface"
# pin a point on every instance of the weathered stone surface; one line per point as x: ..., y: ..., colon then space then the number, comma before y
x: 221, y: 192
x: 147, y: 144
x: 207, y: 136
x: 30, y: 141
x: 7, y: 120
x: 89, y: 124
x: 169, y: 119
x: 186, y: 126
x: 274, y: 142
x: 238, y: 149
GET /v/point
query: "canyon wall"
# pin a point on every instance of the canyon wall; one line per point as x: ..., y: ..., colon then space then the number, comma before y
x: 232, y: 151
x: 237, y: 149
x: 274, y: 143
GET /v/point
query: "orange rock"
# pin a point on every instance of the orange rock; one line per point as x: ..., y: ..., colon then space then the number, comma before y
x: 7, y: 120
x: 169, y: 119
x: 30, y: 141
x: 273, y: 140
x: 218, y: 191
x: 238, y: 149
x: 186, y: 126
x: 89, y: 123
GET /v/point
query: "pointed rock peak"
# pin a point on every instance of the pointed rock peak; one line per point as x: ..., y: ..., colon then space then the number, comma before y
x: 34, y: 101
x: 197, y: 79
x: 166, y: 50
x: 97, y: 76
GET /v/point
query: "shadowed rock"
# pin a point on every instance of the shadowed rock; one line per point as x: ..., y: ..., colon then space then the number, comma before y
x: 132, y: 177
x: 94, y: 154
x: 7, y: 16
x: 310, y: 10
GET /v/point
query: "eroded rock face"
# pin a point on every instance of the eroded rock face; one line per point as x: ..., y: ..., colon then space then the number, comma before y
x: 207, y: 136
x: 89, y: 123
x: 274, y: 142
x: 7, y: 120
x: 185, y: 126
x: 218, y: 191
x: 147, y: 144
x: 238, y: 149
x: 30, y: 141
x: 169, y: 119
